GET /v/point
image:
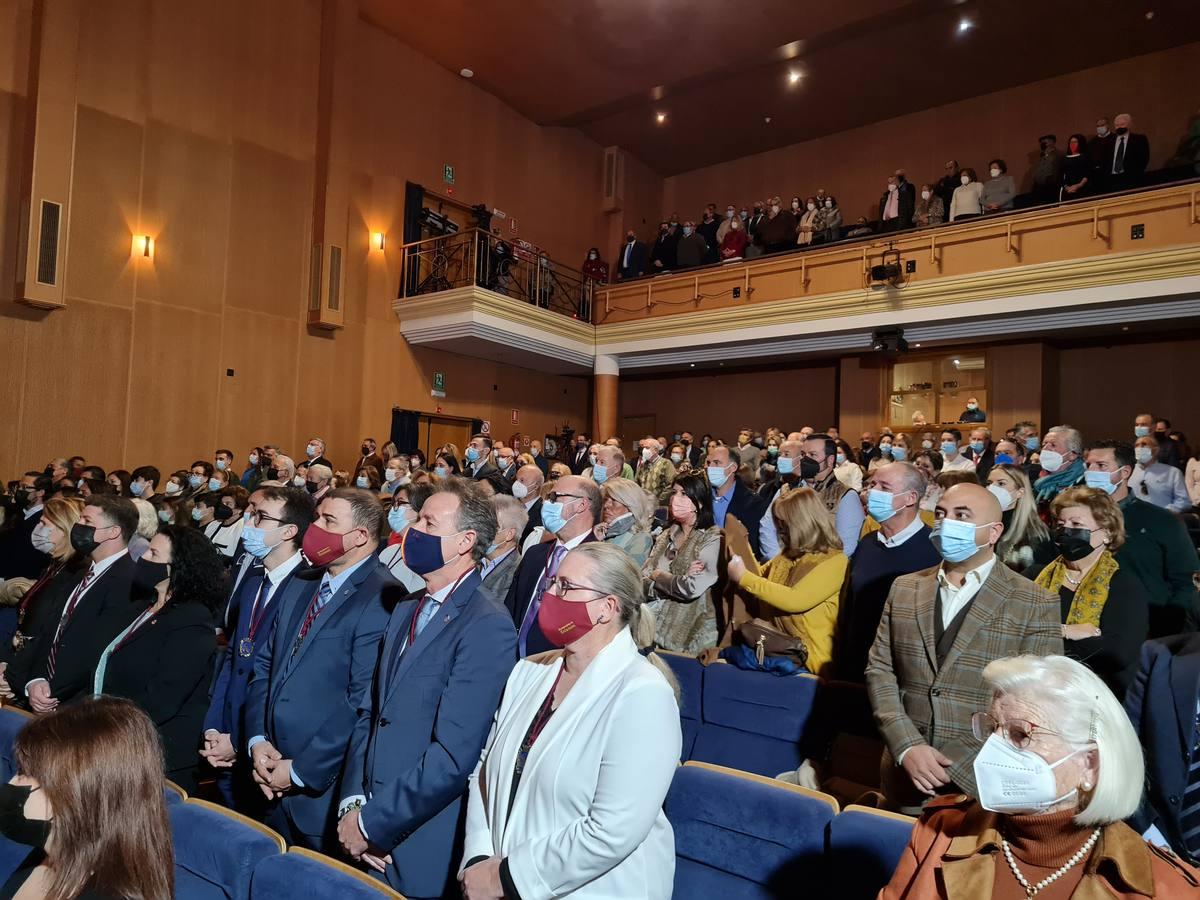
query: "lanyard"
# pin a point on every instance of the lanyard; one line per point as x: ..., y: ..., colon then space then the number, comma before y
x: 412, y: 626
x: 257, y: 615
x: 137, y: 623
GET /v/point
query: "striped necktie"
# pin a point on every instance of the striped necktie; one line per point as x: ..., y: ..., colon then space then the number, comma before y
x: 65, y: 620
x: 535, y: 602
x: 319, y: 601
x: 1189, y: 814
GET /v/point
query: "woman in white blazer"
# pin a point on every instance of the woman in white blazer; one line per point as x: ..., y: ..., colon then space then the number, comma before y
x: 967, y: 202
x: 567, y: 799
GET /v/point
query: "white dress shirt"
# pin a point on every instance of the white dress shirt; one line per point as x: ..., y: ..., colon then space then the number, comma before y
x: 903, y: 534
x: 959, y: 464
x: 955, y: 598
x: 1160, y: 484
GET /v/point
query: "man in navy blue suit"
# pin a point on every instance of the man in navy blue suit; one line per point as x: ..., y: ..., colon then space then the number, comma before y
x: 445, y: 658
x: 273, y: 536
x: 310, y: 684
x: 1164, y: 704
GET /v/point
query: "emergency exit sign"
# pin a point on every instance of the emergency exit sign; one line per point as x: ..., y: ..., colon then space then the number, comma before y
x: 448, y: 173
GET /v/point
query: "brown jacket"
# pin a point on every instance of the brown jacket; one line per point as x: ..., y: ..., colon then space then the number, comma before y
x: 914, y: 701
x: 959, y: 839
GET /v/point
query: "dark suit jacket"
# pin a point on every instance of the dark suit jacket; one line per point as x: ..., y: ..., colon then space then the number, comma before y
x: 18, y: 559
x: 101, y: 615
x: 905, y: 203
x: 693, y: 455
x: 422, y: 729
x: 306, y: 703
x: 579, y: 461
x: 373, y: 460
x: 165, y: 668
x: 987, y: 459
x: 1161, y: 702
x: 637, y: 261
x: 540, y: 462
x: 535, y: 520
x: 489, y: 473
x: 749, y: 510
x: 1137, y: 157
x: 500, y: 578
x: 533, y: 564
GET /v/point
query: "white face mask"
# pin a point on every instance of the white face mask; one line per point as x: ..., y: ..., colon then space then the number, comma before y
x: 811, y: 207
x: 647, y: 454
x: 298, y: 481
x: 1051, y: 460
x: 966, y: 179
x: 40, y: 538
x: 829, y: 204
x: 995, y: 173
x: 1101, y: 130
x: 892, y: 186
x: 520, y: 491
x: 1016, y: 781
x: 924, y: 195
x: 795, y: 204
x: 729, y: 213
x: 1006, y: 500
x: 775, y: 208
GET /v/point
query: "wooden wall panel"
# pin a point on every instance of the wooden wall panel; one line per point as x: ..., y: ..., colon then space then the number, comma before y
x: 860, y: 396
x: 14, y: 330
x: 114, y: 49
x: 257, y: 404
x: 104, y: 208
x: 12, y: 114
x: 1018, y: 385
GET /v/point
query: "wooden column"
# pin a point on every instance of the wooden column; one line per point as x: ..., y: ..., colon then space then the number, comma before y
x: 605, y: 382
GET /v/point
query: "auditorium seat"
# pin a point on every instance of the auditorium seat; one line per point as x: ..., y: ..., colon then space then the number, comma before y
x: 690, y: 675
x: 301, y: 873
x: 173, y: 792
x: 864, y: 847
x: 12, y: 720
x: 754, y: 721
x: 740, y: 836
x: 216, y: 850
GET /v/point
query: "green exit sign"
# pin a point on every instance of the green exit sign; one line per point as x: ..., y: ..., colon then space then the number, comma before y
x: 439, y: 381
x: 448, y: 173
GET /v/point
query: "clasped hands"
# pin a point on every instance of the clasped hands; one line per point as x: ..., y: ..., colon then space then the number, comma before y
x: 272, y: 773
x: 358, y: 847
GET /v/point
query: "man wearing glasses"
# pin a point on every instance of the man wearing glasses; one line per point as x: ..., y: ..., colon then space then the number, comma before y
x: 279, y: 516
x: 570, y: 512
x: 939, y: 629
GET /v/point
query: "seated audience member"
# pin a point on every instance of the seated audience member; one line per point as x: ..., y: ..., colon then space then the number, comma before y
x: 1026, y: 541
x: 395, y: 475
x: 1145, y: 425
x: 733, y: 242
x: 1125, y: 159
x: 768, y: 471
x: 967, y: 202
x: 980, y: 451
x: 557, y: 470
x: 570, y: 513
x: 204, y: 512
x: 1163, y: 702
x: 953, y: 459
x: 527, y: 487
x: 143, y: 482
x: 627, y: 517
x: 930, y: 463
x: 19, y: 558
x: 632, y: 258
x: 1063, y: 828
x: 282, y: 472
x: 860, y: 228
x: 1191, y: 477
x: 1156, y: 482
x: 731, y: 496
x: 1047, y: 172
x: 318, y: 481
x: 501, y: 558
x: 405, y: 508
x: 1077, y: 174
x: 928, y: 210
x: 655, y: 474
x: 847, y: 471
x: 369, y: 479
x: 368, y: 457
x: 798, y: 590
x: 681, y: 570
x: 979, y: 611
x: 198, y: 475
x: 899, y: 546
x: 119, y: 480
x: 218, y: 480
x: 162, y: 660
x: 87, y: 486
x: 147, y: 527
x: 256, y: 469
x: 999, y: 190
x: 302, y: 704
x: 831, y: 220
x: 1157, y: 547
x: 901, y: 448
x: 1010, y: 453
x: 445, y: 465
x: 314, y: 452
x: 1105, y: 611
x: 692, y: 247
x: 272, y: 539
x: 225, y: 531
x: 445, y: 656
x: 87, y: 798
x: 65, y: 639
x: 618, y: 739
x: 1062, y: 466
x: 972, y: 414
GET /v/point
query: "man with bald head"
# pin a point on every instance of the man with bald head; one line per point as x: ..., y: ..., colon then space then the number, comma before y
x: 939, y: 629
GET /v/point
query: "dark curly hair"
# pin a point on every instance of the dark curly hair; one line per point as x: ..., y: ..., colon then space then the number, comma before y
x: 696, y: 488
x: 197, y: 575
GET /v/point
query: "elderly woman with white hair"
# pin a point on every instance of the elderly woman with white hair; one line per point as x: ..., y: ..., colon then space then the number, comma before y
x: 628, y: 515
x: 1059, y: 771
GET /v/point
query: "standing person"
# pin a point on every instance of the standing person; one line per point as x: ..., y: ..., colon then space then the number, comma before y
x: 1154, y: 481
x: 810, y: 223
x: 681, y: 570
x: 734, y: 241
x: 1077, y: 172
x: 369, y: 456
x: 1124, y: 162
x: 632, y: 256
x: 662, y: 254
x: 948, y: 183
x: 999, y: 190
x: 929, y: 210
x: 19, y: 558
x: 655, y: 474
x: 594, y: 268
x: 967, y: 201
x: 272, y: 539
x: 1062, y: 464
x: 586, y: 741
x: 731, y: 497
x: 501, y: 558
x: 939, y: 628
x: 301, y: 704
x: 445, y: 655
x: 1047, y: 172
x: 831, y: 220
x: 162, y: 660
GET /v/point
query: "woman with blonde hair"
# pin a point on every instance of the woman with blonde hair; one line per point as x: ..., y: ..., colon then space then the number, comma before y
x: 567, y: 797
x: 798, y: 590
x: 628, y: 514
x: 1026, y: 541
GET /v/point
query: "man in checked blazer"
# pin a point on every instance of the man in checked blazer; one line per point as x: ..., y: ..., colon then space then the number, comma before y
x: 939, y: 629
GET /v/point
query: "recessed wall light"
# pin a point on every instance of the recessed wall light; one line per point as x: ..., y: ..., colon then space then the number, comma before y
x: 767, y: 120
x: 660, y: 117
x: 143, y: 245
x: 965, y: 25
x: 1149, y: 15
x: 466, y: 73
x: 794, y: 75
x: 377, y: 240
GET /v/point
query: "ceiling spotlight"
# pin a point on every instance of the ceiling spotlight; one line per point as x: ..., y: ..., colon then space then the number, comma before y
x: 466, y: 73
x: 916, y: 345
x: 767, y: 119
x: 794, y: 76
x: 957, y: 362
x: 660, y: 117
x: 1149, y: 15
x: 693, y: 365
x: 965, y: 25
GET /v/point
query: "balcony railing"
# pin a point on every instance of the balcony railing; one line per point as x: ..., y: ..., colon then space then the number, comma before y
x: 514, y: 269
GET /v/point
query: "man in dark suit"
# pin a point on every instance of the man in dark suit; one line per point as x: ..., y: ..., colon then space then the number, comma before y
x: 570, y: 513
x: 1125, y: 159
x: 528, y: 489
x: 311, y: 682
x: 444, y: 661
x: 539, y: 458
x: 731, y: 497
x: 662, y: 254
x: 18, y: 557
x: 506, y: 465
x: 631, y: 258
x: 369, y: 457
x: 692, y: 452
x: 59, y: 660
x: 982, y: 452
x: 499, y: 565
x: 578, y: 460
x: 897, y: 203
x: 1164, y: 704
x: 314, y: 452
x: 480, y: 466
x: 274, y: 534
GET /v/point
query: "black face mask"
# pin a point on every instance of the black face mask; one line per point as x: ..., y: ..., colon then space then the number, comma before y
x: 222, y: 513
x: 629, y: 238
x: 312, y: 487
x: 147, y: 574
x: 809, y: 468
x: 366, y: 450
x: 1122, y: 131
x: 21, y: 495
x: 866, y: 445
x: 1073, y: 543
x: 272, y: 474
x: 14, y: 825
x: 83, y: 538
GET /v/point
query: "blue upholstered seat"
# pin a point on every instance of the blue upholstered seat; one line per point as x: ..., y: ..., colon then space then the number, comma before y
x: 216, y: 850
x: 864, y: 848
x: 754, y: 721
x: 11, y: 721
x: 690, y: 675
x: 304, y: 874
x: 745, y: 837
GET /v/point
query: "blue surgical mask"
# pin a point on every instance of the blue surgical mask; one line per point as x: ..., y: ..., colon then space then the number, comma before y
x: 552, y: 517
x: 397, y: 519
x: 687, y: 229
x: 441, y: 471
x: 717, y: 476
x: 362, y: 481
x: 949, y: 448
x: 1003, y: 459
x: 885, y: 450
x: 220, y: 465
x: 214, y: 484
x: 1141, y: 430
x: 955, y: 540
x: 899, y: 454
x: 472, y: 454
x: 841, y: 458
x: 977, y: 446
x: 137, y: 488
x: 1144, y: 455
x: 195, y: 480
x: 879, y: 505
x: 164, y: 516
x: 785, y: 465
x: 197, y: 515
x: 254, y: 540
x: 1032, y: 442
x: 310, y: 450
x: 599, y: 474
x: 1100, y: 481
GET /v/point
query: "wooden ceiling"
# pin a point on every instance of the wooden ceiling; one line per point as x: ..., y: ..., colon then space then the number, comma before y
x: 718, y: 68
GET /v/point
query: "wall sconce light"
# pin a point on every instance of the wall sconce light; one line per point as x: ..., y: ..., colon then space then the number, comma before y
x: 376, y: 240
x: 143, y: 245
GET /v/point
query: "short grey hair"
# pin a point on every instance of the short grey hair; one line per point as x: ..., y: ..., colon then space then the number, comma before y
x: 322, y: 471
x: 476, y: 512
x: 1085, y: 714
x: 1071, y: 435
x: 633, y: 497
x: 147, y: 525
x: 911, y: 477
x: 285, y: 464
x: 510, y: 513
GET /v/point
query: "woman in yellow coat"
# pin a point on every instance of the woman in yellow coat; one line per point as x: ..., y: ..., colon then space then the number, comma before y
x: 798, y: 590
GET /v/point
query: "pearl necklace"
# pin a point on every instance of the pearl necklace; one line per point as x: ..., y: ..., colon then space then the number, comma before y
x: 1032, y: 891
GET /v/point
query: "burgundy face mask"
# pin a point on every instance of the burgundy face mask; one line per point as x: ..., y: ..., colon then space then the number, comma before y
x: 563, y: 622
x: 322, y: 547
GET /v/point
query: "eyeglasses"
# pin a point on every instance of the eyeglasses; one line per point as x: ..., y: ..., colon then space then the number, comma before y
x: 559, y: 586
x: 1143, y: 488
x: 1017, y: 731
x: 554, y: 496
x: 259, y: 517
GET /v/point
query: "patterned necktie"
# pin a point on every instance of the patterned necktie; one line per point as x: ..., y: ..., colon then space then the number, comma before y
x: 1189, y: 815
x: 535, y: 604
x: 68, y: 612
x: 1119, y: 161
x: 318, y: 603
